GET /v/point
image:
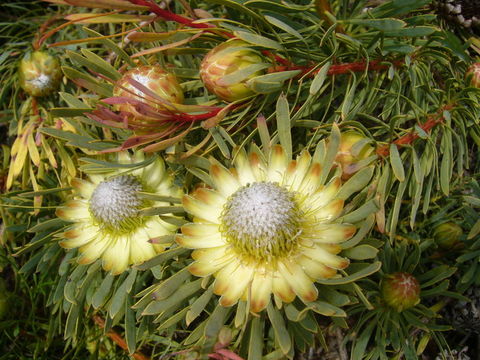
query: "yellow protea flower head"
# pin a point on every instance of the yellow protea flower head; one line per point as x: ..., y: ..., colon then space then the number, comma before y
x: 39, y: 73
x: 106, y: 209
x: 267, y: 227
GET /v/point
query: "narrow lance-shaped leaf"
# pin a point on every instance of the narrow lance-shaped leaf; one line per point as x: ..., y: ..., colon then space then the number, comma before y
x: 283, y: 124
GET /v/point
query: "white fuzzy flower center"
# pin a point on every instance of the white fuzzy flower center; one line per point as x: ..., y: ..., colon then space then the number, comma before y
x: 262, y: 221
x: 115, y: 200
x: 41, y: 81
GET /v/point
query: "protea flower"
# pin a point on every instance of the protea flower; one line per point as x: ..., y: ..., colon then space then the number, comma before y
x: 153, y: 77
x: 266, y: 227
x: 447, y: 235
x: 454, y: 355
x: 105, y: 213
x: 39, y: 73
x: 223, y: 60
x: 463, y: 12
x: 400, y: 291
x: 354, y: 147
x: 473, y: 75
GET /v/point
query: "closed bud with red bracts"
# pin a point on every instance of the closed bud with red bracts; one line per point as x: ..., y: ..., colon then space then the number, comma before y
x: 224, y: 60
x: 161, y: 83
x: 400, y: 291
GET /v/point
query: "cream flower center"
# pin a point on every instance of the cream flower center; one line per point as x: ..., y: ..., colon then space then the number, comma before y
x: 41, y: 81
x: 115, y: 201
x: 262, y: 221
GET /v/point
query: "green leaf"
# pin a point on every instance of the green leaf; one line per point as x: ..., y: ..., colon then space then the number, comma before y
x: 332, y: 150
x: 258, y: 40
x: 71, y: 325
x: 366, y: 271
x: 173, y: 319
x: 119, y: 298
x: 216, y: 320
x: 412, y: 31
x: 281, y: 334
x: 388, y: 24
x: 474, y: 231
x: 357, y: 182
x: 269, y: 83
x: 104, y: 67
x: 186, y: 290
x: 283, y: 124
x: 255, y: 343
x: 112, y: 46
x: 130, y: 326
x: 196, y: 334
x: 445, y: 172
x: 199, y: 305
x: 219, y: 140
x: 161, y: 258
x: 100, y: 295
x: 361, y: 252
x: 362, y: 212
x: 281, y: 25
x: 168, y: 286
x: 69, y: 112
x: 396, y: 162
x: 326, y: 309
x: 47, y: 225
x: 319, y: 78
x: 88, y: 82
x: 349, y: 96
x: 361, y: 342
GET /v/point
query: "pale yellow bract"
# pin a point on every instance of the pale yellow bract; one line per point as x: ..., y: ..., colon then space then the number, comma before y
x: 268, y: 226
x: 105, y: 215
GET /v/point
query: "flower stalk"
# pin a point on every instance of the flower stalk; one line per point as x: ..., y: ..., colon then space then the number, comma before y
x: 432, y: 121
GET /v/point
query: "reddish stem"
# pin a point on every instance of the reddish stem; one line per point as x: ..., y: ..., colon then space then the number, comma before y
x: 338, y: 69
x: 118, y: 339
x: 170, y: 16
x: 432, y: 121
x: 37, y: 43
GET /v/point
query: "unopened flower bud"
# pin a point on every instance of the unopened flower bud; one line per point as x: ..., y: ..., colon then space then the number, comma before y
x: 226, y: 59
x: 400, y: 291
x: 154, y: 78
x: 39, y: 73
x: 224, y: 336
x: 473, y: 75
x: 447, y: 235
x: 354, y: 147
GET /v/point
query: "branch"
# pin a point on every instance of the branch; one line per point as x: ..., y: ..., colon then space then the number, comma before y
x: 118, y: 339
x: 432, y: 121
x: 339, y: 69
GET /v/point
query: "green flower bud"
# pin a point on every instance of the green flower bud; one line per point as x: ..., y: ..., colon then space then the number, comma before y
x: 155, y: 79
x: 39, y: 73
x: 400, y: 291
x: 447, y: 235
x: 223, y: 60
x: 473, y: 75
x: 353, y: 148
